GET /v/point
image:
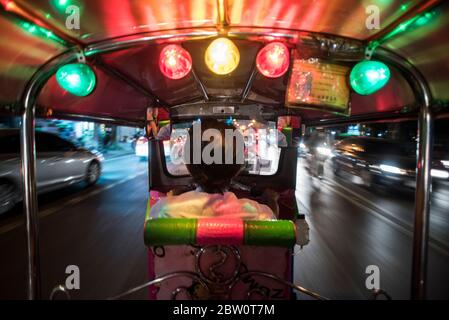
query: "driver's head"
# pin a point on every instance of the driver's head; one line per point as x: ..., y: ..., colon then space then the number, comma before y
x: 214, y: 155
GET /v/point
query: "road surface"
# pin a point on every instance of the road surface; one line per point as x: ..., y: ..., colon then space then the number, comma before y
x: 353, y: 228
x: 99, y: 229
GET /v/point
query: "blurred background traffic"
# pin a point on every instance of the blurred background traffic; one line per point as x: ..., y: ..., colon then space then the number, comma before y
x: 355, y: 184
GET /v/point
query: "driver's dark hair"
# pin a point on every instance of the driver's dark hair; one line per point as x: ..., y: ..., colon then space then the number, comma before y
x: 214, y: 178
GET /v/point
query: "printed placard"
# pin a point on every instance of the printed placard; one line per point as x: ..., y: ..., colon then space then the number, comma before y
x: 317, y: 85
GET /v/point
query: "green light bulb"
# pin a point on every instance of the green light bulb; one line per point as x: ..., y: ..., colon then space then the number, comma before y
x: 77, y: 78
x: 369, y: 76
x: 60, y: 5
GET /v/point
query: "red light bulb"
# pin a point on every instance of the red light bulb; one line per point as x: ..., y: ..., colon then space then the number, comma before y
x: 273, y: 60
x: 175, y: 62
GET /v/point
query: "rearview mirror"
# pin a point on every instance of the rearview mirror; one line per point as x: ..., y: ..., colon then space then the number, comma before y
x: 290, y: 127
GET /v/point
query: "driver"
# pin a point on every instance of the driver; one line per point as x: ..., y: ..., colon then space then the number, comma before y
x: 212, y: 197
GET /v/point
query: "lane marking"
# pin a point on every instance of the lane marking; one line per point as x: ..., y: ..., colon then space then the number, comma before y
x: 46, y: 212
x: 119, y: 157
x: 391, y: 223
x: 388, y: 213
x: 436, y: 244
x: 361, y: 197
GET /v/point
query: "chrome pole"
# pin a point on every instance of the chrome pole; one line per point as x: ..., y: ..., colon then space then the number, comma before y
x: 423, y: 176
x: 28, y: 150
x: 422, y: 203
x: 28, y: 162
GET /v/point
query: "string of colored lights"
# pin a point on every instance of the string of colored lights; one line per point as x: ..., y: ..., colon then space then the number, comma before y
x: 411, y: 24
x: 41, y: 32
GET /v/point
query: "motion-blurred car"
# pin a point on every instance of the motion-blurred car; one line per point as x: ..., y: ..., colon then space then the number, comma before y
x: 59, y: 163
x: 302, y: 148
x: 142, y: 148
x: 375, y: 161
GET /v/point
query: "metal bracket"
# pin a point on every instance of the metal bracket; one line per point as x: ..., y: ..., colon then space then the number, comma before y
x: 370, y: 48
x: 198, y: 278
x: 377, y: 293
x: 80, y: 57
x: 60, y: 288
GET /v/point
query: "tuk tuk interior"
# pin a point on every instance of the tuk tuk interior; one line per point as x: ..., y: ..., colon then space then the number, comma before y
x: 122, y: 44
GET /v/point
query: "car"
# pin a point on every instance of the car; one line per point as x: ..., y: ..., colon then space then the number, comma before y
x: 141, y: 148
x: 59, y: 163
x: 377, y: 161
x: 302, y: 148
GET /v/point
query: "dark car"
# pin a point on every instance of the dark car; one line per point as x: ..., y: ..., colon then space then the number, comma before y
x: 375, y: 161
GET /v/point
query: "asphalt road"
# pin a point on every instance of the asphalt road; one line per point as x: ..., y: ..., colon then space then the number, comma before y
x: 353, y: 228
x: 99, y: 229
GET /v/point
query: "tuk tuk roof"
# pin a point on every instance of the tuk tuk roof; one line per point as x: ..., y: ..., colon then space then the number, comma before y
x: 127, y: 81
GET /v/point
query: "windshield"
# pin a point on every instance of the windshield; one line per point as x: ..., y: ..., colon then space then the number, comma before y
x: 261, y: 151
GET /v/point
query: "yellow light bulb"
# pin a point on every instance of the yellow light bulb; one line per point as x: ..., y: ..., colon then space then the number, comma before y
x: 222, y: 56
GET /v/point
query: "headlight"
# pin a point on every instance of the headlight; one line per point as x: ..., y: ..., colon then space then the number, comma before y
x: 439, y: 173
x: 445, y: 163
x: 302, y: 146
x: 324, y: 151
x: 392, y: 169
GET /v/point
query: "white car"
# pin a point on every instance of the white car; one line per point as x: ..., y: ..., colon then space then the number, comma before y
x: 142, y: 148
x: 59, y: 163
